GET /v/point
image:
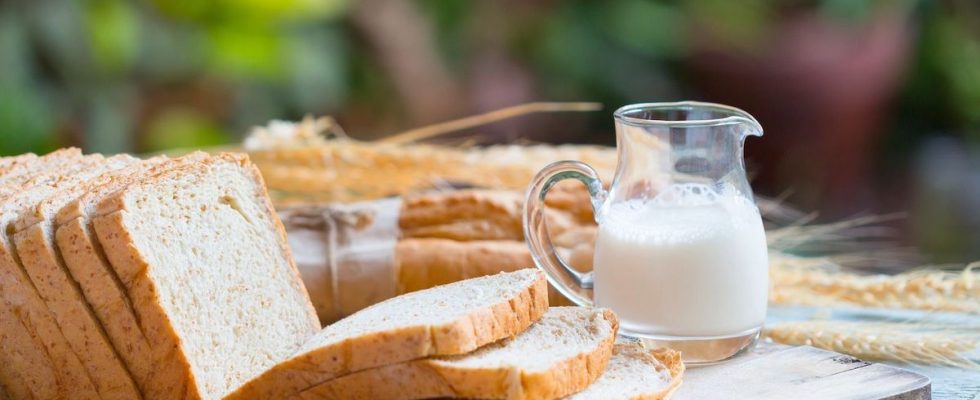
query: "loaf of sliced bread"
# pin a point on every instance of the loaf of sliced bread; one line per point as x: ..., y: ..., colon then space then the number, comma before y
x: 84, y: 258
x: 561, y: 354
x: 34, y: 346
x: 451, y: 319
x: 83, y: 333
x: 204, y: 260
x: 33, y: 239
x: 636, y: 373
x: 26, y: 368
x: 424, y: 263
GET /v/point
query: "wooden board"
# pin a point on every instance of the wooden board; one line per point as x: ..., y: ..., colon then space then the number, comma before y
x: 800, y: 373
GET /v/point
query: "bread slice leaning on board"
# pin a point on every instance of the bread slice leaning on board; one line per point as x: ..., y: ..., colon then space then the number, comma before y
x: 561, y: 354
x: 445, y: 320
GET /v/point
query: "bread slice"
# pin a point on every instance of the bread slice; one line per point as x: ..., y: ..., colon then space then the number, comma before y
x: 451, y: 319
x: 7, y: 163
x: 204, y: 260
x: 34, y: 240
x: 559, y: 355
x: 85, y: 260
x: 25, y: 367
x: 84, y: 335
x: 636, y: 373
x: 33, y: 346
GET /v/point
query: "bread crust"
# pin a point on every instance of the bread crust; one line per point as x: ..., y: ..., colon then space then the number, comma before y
x: 80, y: 327
x: 429, y: 378
x: 477, y: 328
x: 131, y: 268
x: 24, y: 304
x: 424, y: 263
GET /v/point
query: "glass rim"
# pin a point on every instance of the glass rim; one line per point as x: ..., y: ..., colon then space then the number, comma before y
x: 736, y: 115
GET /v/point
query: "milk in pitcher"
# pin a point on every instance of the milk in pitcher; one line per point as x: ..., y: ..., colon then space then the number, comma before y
x: 690, y: 262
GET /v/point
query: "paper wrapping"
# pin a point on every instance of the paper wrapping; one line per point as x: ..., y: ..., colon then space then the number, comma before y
x: 353, y: 255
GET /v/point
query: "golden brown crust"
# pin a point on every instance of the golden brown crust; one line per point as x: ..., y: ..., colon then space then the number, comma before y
x: 675, y: 365
x: 164, y: 341
x: 71, y: 311
x: 19, y: 291
x: 465, y: 215
x: 108, y: 299
x: 462, y: 215
x: 424, y: 263
x: 463, y: 335
x: 130, y: 267
x: 426, y: 379
x: 22, y: 353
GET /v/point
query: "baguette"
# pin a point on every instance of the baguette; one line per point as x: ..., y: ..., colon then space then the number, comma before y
x: 561, y: 354
x: 444, y: 320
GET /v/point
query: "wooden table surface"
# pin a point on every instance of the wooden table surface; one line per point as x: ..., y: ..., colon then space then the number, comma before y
x: 772, y: 371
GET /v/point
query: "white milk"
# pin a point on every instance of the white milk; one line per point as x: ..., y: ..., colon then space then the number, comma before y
x: 689, y: 263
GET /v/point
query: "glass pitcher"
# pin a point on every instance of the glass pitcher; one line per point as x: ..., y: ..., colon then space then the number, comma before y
x: 681, y: 252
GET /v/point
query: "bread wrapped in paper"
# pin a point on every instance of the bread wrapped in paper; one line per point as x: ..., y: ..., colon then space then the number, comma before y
x: 357, y: 254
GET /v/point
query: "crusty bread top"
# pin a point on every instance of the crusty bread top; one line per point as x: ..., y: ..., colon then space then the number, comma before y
x: 635, y: 373
x: 47, y: 208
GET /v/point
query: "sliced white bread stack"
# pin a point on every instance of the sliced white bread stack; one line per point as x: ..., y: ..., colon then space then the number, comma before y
x: 204, y: 261
x: 32, y: 236
x: 84, y: 258
x: 34, y: 348
x: 561, y: 354
x: 445, y: 320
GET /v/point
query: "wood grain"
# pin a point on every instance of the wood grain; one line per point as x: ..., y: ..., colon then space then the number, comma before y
x: 800, y: 373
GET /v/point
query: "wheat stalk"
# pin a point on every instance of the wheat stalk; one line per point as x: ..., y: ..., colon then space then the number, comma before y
x: 819, y: 282
x: 916, y: 343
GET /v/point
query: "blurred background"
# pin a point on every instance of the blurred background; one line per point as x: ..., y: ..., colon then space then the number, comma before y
x: 868, y: 106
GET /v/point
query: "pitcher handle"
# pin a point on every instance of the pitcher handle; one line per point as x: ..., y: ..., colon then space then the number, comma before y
x: 574, y: 285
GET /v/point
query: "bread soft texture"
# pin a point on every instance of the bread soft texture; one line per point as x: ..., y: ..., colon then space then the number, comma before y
x: 205, y: 263
x: 561, y: 354
x: 33, y: 239
x: 84, y: 258
x: 26, y: 368
x: 636, y: 373
x: 8, y: 163
x: 28, y: 317
x: 444, y: 320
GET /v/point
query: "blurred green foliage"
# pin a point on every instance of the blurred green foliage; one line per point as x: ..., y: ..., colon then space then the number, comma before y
x: 100, y: 73
x: 148, y: 75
